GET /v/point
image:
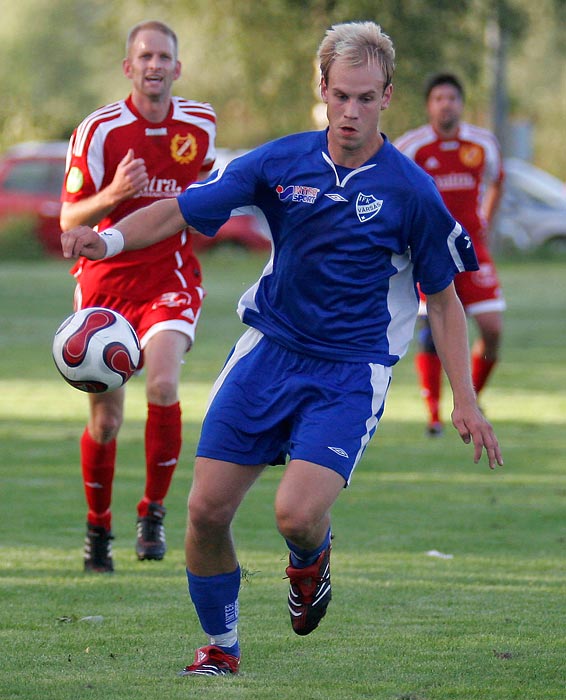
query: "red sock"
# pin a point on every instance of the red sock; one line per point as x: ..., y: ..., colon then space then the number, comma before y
x: 98, y: 464
x: 481, y: 369
x: 429, y: 369
x: 162, y: 449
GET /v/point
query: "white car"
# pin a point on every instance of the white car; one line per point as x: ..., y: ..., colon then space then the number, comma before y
x: 532, y: 212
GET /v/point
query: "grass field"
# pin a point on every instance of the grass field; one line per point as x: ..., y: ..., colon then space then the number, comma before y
x: 487, y: 624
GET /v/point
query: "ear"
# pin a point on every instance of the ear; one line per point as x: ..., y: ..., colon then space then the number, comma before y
x: 127, y: 68
x: 386, y: 99
x: 323, y: 90
x: 177, y: 70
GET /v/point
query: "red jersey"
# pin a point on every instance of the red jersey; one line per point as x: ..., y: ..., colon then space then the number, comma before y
x: 175, y: 152
x: 461, y: 167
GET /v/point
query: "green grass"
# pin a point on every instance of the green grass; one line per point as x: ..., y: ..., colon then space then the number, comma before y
x: 487, y: 624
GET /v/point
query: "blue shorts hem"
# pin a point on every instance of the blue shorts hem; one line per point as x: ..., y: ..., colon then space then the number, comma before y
x: 237, y: 458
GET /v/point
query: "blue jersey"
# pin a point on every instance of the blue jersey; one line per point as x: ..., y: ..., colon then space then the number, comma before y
x: 348, y: 245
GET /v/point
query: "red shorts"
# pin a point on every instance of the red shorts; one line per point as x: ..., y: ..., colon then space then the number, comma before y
x: 479, y: 291
x: 171, y: 311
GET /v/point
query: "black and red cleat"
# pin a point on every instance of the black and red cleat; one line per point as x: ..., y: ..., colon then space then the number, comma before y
x: 212, y: 661
x: 309, y: 593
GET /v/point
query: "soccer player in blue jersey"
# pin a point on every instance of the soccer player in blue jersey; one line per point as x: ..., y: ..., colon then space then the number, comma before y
x: 355, y: 224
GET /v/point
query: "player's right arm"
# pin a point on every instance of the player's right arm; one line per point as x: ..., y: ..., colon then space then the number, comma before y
x: 129, y: 179
x: 139, y: 230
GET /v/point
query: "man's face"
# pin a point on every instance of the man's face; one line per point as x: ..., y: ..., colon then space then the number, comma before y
x: 354, y: 98
x: 444, y: 107
x: 152, y: 65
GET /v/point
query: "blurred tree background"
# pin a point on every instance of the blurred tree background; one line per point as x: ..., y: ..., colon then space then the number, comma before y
x: 254, y: 61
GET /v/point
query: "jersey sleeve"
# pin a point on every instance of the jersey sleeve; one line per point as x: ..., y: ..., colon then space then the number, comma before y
x: 207, y: 205
x: 78, y: 182
x: 440, y: 246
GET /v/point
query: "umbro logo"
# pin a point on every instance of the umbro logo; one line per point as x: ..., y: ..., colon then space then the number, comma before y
x: 336, y: 197
x: 339, y: 451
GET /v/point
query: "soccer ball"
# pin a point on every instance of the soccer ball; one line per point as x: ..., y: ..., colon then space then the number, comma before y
x: 96, y: 350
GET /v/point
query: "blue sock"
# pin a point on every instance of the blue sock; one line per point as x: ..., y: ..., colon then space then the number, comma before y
x: 301, y: 558
x: 216, y: 602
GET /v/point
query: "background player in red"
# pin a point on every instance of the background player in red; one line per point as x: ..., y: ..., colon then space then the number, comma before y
x: 465, y: 162
x: 122, y: 157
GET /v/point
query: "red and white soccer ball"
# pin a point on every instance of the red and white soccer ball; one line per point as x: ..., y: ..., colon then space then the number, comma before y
x: 96, y: 350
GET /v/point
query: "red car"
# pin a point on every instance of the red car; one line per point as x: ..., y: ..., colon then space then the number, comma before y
x: 31, y: 176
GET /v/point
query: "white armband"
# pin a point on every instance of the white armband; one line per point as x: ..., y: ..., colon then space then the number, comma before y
x: 114, y: 241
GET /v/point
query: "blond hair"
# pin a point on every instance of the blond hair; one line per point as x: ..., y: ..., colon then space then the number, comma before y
x: 358, y: 43
x: 152, y: 25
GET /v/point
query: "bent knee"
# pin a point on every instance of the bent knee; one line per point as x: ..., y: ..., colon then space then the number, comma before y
x: 294, y: 524
x: 204, y: 515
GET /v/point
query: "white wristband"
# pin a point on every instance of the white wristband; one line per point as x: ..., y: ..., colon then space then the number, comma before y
x: 114, y: 241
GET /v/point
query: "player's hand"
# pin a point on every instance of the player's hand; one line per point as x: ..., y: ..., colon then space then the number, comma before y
x: 130, y: 177
x: 82, y: 241
x: 473, y: 427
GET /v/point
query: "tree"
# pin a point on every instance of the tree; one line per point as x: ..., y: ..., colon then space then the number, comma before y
x: 254, y: 61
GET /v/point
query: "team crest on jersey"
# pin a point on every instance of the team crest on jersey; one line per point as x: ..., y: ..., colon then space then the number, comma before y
x: 184, y: 148
x: 367, y: 206
x: 471, y: 155
x: 297, y: 193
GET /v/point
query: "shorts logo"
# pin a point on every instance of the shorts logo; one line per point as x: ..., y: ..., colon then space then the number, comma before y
x: 183, y: 148
x: 176, y: 300
x: 339, y: 451
x: 367, y: 206
x: 297, y: 193
x: 173, y: 300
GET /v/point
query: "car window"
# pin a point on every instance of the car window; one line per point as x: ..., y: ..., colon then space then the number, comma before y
x: 35, y: 177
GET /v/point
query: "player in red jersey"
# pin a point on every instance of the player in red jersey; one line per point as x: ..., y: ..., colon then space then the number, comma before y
x: 465, y: 162
x: 122, y: 157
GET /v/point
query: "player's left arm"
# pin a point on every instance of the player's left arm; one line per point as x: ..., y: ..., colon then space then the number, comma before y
x: 448, y: 323
x: 491, y: 200
x: 138, y: 230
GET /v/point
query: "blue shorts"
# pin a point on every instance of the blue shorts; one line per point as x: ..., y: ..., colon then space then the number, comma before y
x: 270, y: 402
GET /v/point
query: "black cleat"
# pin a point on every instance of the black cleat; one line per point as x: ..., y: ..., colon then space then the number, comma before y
x: 98, y: 549
x: 434, y: 429
x: 309, y: 593
x: 150, y: 543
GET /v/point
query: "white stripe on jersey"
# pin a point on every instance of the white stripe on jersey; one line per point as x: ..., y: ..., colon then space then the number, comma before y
x: 410, y: 142
x: 456, y: 231
x: 89, y: 124
x: 200, y: 114
x: 402, y: 304
x: 247, y: 300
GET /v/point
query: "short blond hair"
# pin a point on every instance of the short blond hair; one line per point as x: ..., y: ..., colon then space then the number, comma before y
x: 154, y: 25
x: 358, y: 43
